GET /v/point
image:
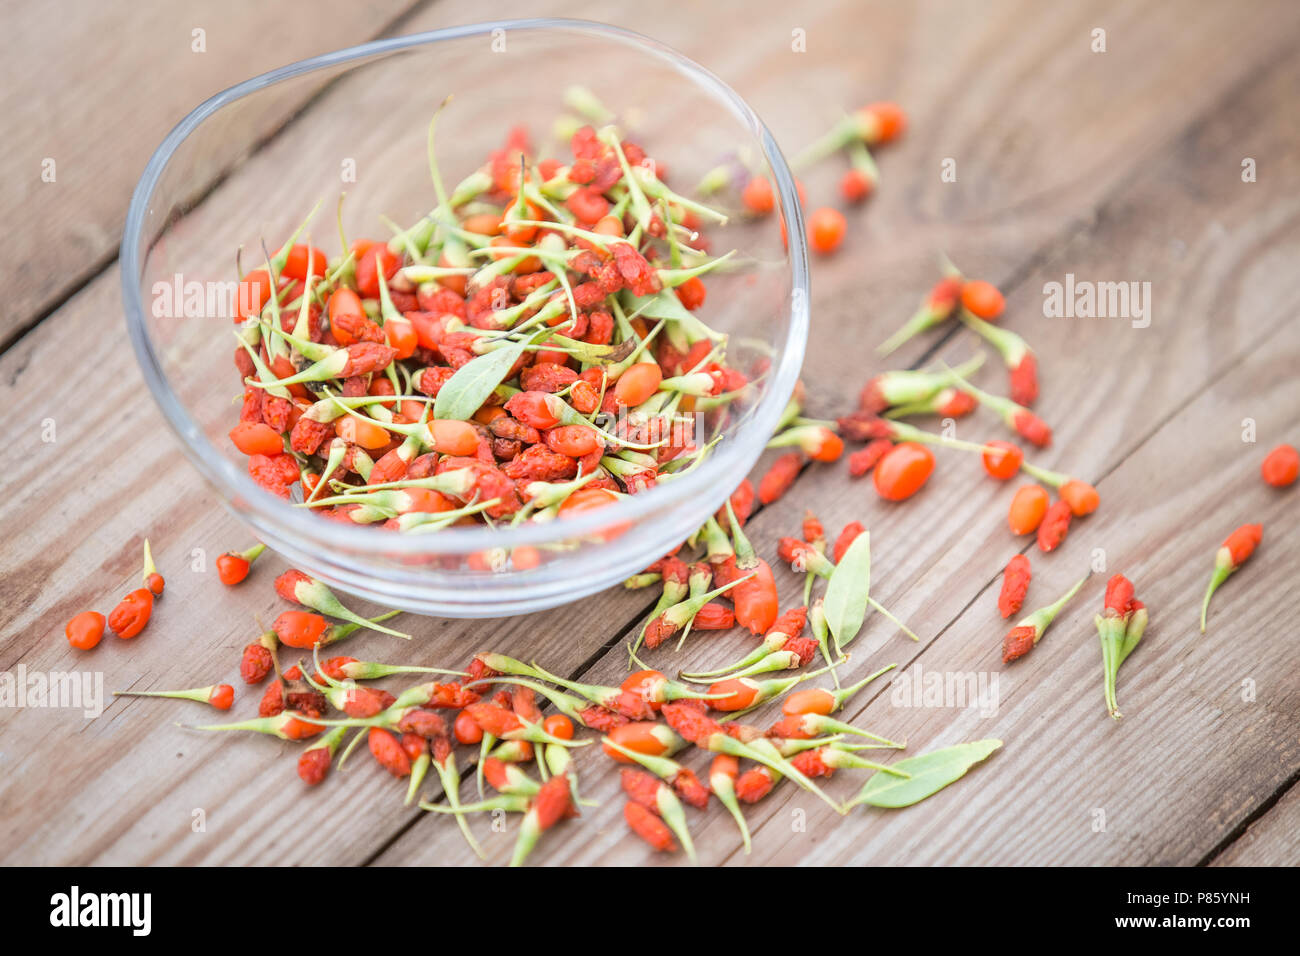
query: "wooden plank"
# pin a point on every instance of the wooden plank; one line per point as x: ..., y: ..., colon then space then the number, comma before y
x: 241, y: 783
x: 1272, y: 840
x: 96, y: 99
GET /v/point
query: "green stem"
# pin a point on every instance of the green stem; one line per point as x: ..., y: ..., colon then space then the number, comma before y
x: 449, y: 775
x: 724, y: 788
x: 1221, y: 574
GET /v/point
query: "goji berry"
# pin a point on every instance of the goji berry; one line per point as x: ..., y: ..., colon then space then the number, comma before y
x: 982, y: 299
x: 826, y: 229
x: 132, y: 613
x: 1015, y: 583
x: 864, y: 459
x: 1281, y: 466
x: 850, y: 534
x: 1028, y: 506
x: 387, y: 751
x: 779, y: 477
x: 1002, y: 459
x: 754, y: 784
x: 1055, y: 524
x: 85, y: 630
x: 649, y: 827
x: 903, y: 471
x: 255, y: 663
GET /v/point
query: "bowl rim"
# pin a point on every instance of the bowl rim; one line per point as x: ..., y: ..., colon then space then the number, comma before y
x: 265, y: 510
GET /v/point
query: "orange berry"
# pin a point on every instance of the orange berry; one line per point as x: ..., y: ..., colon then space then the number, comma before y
x: 400, y: 334
x: 452, y: 437
x: 485, y: 224
x: 758, y: 196
x: 982, y: 299
x: 856, y: 185
x: 638, y: 383
x: 587, y: 499
x: 813, y: 701
x: 883, y: 122
x: 902, y: 472
x: 1027, y: 509
x: 824, y: 445
x: 525, y: 557
x: 295, y: 266
x: 1080, y: 496
x: 558, y: 725
x: 256, y: 438
x: 232, y: 568
x: 356, y: 431
x: 609, y: 226
x: 1002, y: 459
x: 222, y: 696
x: 826, y: 228
x: 1281, y: 466
x: 85, y: 630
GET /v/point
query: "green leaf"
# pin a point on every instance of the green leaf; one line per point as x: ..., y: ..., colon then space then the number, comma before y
x: 930, y: 773
x: 665, y: 305
x: 467, y: 390
x: 848, y: 590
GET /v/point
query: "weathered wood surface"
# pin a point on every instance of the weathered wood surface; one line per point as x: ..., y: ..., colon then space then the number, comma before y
x: 1111, y: 166
x: 1272, y: 840
x: 91, y: 88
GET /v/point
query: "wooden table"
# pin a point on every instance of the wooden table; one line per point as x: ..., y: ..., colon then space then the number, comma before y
x: 1123, y: 165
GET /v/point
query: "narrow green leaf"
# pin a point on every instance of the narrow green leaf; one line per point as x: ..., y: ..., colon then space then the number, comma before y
x: 848, y: 591
x: 930, y: 773
x: 467, y: 390
x: 665, y: 305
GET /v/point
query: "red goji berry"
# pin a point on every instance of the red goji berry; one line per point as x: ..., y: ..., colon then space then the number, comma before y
x: 864, y: 459
x: 85, y: 630
x: 758, y: 196
x: 754, y: 784
x: 255, y: 663
x: 1232, y: 554
x: 1032, y: 428
x: 688, y: 721
x: 387, y: 750
x: 690, y: 788
x: 1002, y: 459
x: 982, y: 299
x: 903, y: 471
x: 1028, y: 507
x: 649, y: 827
x: 779, y: 477
x: 850, y: 534
x: 1024, y: 381
x: 1055, y: 524
x: 466, y: 729
x: 1281, y: 466
x: 300, y: 629
x: 132, y: 613
x: 826, y: 229
x: 314, y: 765
x: 1015, y: 584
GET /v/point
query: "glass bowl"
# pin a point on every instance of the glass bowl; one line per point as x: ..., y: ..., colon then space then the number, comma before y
x: 363, y: 131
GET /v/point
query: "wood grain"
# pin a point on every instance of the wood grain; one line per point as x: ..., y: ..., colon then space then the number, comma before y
x: 1109, y: 166
x: 96, y: 95
x: 1272, y: 840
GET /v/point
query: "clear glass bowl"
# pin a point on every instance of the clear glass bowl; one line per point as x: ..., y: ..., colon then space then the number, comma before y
x: 364, y: 132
